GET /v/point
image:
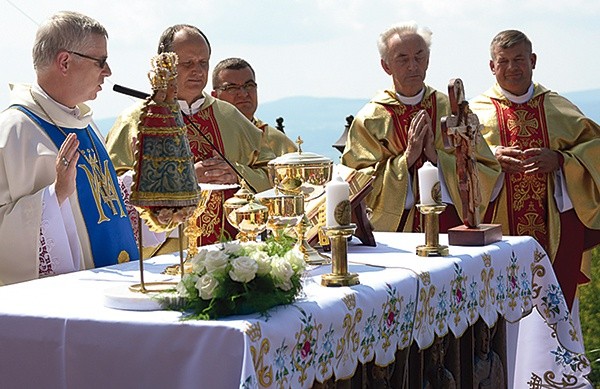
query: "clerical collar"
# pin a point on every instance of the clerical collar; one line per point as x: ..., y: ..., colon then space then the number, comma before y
x: 412, y: 100
x: 186, y: 109
x: 75, y: 112
x: 519, y: 99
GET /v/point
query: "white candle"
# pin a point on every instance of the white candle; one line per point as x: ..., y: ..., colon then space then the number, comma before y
x: 336, y: 191
x: 428, y: 177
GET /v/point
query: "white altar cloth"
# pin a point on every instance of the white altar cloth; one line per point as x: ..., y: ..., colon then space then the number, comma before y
x: 56, y: 332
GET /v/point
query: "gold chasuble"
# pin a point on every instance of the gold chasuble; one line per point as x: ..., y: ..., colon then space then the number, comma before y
x: 529, y: 204
x: 377, y: 140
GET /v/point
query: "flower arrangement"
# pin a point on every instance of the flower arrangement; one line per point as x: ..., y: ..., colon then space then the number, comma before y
x: 239, y: 278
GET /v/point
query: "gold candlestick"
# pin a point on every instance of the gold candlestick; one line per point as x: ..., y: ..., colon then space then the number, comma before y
x: 432, y: 245
x: 339, y: 253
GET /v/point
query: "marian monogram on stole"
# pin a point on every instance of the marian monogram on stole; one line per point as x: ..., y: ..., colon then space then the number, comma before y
x: 524, y: 126
x: 102, y: 185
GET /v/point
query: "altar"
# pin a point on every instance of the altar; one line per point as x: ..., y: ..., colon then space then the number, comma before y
x: 58, y: 333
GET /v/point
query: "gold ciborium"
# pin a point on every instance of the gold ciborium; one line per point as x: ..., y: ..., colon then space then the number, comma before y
x: 250, y: 220
x: 303, y: 175
x: 285, y: 212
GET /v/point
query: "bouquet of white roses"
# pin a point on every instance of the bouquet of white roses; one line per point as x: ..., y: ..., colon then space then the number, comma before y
x: 240, y: 278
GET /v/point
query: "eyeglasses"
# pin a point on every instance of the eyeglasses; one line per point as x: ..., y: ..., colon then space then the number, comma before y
x: 101, y: 62
x: 249, y: 86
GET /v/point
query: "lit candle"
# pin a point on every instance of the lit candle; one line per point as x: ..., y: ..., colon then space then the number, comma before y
x: 337, y: 191
x: 428, y: 177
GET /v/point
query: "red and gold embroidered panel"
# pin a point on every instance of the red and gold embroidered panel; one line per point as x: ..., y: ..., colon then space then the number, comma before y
x: 211, y: 222
x: 402, y: 115
x: 524, y: 126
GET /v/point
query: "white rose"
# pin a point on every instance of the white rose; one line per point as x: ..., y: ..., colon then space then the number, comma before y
x: 253, y: 247
x: 296, y: 258
x: 206, y: 285
x: 243, y: 269
x: 216, y: 261
x: 263, y: 260
x: 182, y: 286
x: 282, y: 272
x: 198, y: 261
x: 231, y: 248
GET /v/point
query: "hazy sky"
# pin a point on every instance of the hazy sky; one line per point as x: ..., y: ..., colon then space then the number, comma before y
x: 322, y: 48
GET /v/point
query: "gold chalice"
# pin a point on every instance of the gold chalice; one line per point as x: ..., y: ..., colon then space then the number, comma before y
x: 303, y: 175
x: 250, y: 220
x: 229, y: 207
x: 285, y: 211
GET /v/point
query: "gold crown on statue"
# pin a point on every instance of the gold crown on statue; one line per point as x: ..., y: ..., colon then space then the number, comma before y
x: 164, y: 69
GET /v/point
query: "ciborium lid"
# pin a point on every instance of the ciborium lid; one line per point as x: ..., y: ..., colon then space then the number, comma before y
x: 300, y: 172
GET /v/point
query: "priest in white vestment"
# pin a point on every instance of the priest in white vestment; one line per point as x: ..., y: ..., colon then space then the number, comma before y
x: 61, y: 207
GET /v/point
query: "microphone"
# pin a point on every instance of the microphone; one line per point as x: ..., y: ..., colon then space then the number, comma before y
x: 130, y: 92
x: 143, y: 95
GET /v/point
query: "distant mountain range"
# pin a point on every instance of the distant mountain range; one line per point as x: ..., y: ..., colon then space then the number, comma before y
x: 320, y: 120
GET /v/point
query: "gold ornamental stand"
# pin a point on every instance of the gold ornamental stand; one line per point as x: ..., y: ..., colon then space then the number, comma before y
x: 432, y: 247
x: 339, y: 253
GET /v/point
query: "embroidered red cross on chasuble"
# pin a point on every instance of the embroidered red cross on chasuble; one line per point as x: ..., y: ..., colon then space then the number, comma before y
x: 524, y: 125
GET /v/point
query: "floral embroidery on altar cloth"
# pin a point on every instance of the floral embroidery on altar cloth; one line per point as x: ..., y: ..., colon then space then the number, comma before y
x: 509, y: 284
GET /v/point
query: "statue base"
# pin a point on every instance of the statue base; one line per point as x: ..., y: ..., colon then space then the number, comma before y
x: 482, y: 235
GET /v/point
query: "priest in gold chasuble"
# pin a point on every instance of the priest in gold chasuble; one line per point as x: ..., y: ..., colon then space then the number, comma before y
x: 399, y: 129
x: 550, y: 155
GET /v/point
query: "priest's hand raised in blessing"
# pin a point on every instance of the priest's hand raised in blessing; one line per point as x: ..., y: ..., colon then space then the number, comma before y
x: 215, y: 171
x: 66, y: 168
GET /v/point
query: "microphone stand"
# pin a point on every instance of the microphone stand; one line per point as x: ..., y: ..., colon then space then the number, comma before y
x: 144, y: 95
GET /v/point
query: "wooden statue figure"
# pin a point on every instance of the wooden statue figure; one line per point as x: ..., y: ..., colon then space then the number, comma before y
x: 488, y: 370
x: 437, y: 376
x: 460, y: 132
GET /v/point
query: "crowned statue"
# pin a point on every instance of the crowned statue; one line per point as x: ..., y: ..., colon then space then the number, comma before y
x: 165, y: 188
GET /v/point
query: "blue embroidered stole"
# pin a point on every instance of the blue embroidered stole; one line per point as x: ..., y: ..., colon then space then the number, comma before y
x: 107, y: 223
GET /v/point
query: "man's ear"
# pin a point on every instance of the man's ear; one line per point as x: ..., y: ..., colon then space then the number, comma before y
x: 63, y: 61
x: 533, y: 60
x: 385, y: 67
x: 492, y: 67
